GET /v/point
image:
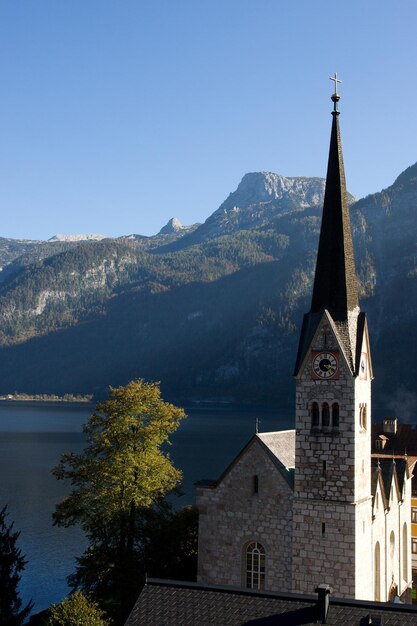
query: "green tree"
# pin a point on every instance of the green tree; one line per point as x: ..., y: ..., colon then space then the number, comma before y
x: 76, y: 610
x: 171, y: 543
x: 12, y: 563
x: 121, y: 474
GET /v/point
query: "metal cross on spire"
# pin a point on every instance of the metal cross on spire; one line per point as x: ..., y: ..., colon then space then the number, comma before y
x: 335, y: 96
x: 336, y: 80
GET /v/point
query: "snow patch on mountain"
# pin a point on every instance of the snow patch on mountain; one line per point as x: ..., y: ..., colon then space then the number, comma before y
x: 80, y: 237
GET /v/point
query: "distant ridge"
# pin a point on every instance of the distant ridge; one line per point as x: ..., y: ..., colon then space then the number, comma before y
x: 213, y: 313
x: 65, y: 238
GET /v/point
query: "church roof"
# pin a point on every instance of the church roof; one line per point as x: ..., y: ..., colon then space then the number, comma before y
x: 390, y: 471
x: 172, y: 603
x: 278, y: 445
x: 335, y: 287
x: 351, y: 353
x: 281, y: 444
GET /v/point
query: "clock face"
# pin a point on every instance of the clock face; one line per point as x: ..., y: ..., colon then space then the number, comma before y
x: 362, y: 367
x: 325, y: 365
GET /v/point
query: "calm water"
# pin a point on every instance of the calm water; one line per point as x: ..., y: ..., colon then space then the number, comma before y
x: 32, y: 438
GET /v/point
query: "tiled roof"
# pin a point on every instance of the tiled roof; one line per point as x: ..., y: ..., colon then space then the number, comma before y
x: 167, y: 603
x: 385, y: 467
x: 279, y: 446
x: 281, y: 443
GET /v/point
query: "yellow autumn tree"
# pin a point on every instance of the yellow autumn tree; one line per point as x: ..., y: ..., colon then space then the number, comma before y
x: 122, y: 473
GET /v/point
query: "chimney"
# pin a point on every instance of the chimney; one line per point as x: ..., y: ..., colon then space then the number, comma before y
x: 390, y: 425
x: 323, y: 602
x: 372, y: 618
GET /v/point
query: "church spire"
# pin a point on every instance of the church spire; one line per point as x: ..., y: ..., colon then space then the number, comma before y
x: 335, y: 287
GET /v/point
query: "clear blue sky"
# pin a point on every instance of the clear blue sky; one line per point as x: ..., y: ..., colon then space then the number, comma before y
x: 116, y: 115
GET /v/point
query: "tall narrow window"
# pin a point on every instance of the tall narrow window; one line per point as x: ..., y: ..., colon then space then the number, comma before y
x: 335, y: 415
x: 255, y: 484
x: 377, y: 573
x: 325, y: 415
x: 362, y: 416
x: 405, y: 553
x: 315, y: 415
x: 255, y: 566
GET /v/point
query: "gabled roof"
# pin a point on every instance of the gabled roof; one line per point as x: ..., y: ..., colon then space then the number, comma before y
x: 172, y: 603
x: 311, y: 324
x: 278, y: 445
x: 390, y: 472
x: 377, y: 480
x: 281, y: 444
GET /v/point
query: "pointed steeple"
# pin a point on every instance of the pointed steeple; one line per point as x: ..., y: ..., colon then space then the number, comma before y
x: 335, y: 286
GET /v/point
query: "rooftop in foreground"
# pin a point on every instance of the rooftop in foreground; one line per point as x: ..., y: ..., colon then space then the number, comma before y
x: 173, y: 603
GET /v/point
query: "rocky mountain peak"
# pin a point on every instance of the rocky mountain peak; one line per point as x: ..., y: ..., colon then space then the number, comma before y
x: 269, y: 186
x: 260, y: 198
x: 172, y: 227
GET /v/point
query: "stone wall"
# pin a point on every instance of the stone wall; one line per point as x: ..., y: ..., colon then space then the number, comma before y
x: 231, y: 515
x: 332, y: 494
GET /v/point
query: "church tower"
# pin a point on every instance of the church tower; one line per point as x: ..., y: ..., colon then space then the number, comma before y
x: 332, y: 507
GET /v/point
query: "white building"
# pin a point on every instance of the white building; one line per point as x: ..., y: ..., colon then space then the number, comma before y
x: 301, y: 508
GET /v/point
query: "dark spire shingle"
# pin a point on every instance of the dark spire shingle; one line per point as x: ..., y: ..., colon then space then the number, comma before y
x: 335, y: 285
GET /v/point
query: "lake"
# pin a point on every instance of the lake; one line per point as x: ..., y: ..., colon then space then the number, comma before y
x: 32, y: 439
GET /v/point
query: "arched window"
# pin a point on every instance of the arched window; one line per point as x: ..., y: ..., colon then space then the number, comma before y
x: 325, y: 415
x: 255, y: 566
x: 392, y: 550
x: 405, y: 553
x: 335, y: 415
x: 377, y: 573
x: 315, y: 415
x: 362, y: 416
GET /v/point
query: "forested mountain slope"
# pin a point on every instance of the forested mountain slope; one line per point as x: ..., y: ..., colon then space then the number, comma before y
x: 213, y: 312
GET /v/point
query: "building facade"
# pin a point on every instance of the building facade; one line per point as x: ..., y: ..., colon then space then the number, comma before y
x: 300, y: 508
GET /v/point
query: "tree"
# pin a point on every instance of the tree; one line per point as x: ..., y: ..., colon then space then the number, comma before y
x: 76, y: 610
x: 12, y: 563
x: 171, y: 543
x: 120, y: 474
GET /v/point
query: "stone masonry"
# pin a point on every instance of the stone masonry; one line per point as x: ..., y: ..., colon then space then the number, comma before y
x: 231, y: 515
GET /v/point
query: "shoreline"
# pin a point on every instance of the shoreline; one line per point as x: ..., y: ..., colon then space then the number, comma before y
x: 44, y: 402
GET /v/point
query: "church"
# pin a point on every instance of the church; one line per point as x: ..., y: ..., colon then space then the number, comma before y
x: 300, y: 508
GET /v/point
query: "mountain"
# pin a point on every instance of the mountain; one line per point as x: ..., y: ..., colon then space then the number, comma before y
x: 11, y: 249
x: 259, y: 198
x: 76, y: 238
x: 174, y: 227
x: 215, y: 313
